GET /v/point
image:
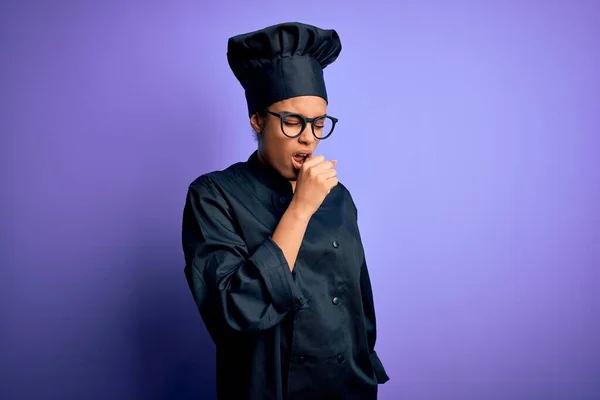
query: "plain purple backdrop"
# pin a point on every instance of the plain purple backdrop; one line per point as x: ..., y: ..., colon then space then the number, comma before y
x: 468, y: 135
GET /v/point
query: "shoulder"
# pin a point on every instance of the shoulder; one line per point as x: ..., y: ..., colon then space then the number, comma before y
x: 343, y: 189
x: 342, y: 195
x: 212, y: 190
x: 214, y: 181
x: 207, y: 193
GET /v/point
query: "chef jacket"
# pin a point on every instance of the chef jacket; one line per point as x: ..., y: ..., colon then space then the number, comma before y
x: 305, y: 334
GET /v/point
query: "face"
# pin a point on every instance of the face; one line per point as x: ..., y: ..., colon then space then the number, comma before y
x: 280, y: 151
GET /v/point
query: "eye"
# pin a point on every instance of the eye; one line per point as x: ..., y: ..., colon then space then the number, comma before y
x: 293, y: 120
x: 320, y: 123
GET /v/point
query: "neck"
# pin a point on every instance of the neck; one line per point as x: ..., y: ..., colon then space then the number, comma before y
x: 267, y: 165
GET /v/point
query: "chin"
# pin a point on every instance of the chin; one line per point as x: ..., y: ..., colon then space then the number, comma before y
x: 290, y: 173
x: 291, y: 176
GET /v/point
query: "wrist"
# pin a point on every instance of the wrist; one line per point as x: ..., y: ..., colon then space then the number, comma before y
x: 299, y: 212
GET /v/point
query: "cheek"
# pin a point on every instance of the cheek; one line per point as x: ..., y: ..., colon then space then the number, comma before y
x: 278, y: 146
x: 272, y: 131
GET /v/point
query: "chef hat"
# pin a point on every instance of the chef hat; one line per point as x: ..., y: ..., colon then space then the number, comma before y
x: 282, y: 61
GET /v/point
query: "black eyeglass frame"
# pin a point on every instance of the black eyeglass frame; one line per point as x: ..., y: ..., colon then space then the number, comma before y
x: 305, y: 121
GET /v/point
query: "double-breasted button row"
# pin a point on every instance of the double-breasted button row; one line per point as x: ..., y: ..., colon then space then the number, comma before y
x: 336, y: 300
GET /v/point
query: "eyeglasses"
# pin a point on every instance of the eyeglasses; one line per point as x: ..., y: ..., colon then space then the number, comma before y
x: 293, y: 124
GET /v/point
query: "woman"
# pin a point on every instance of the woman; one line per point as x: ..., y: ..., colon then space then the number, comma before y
x: 273, y: 253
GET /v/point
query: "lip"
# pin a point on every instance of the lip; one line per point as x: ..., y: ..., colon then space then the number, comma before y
x: 307, y: 152
x: 298, y: 165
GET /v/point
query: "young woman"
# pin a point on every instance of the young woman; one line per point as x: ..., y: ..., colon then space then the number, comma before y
x: 273, y: 252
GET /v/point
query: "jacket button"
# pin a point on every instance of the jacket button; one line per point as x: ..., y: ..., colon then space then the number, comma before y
x: 282, y: 200
x: 336, y: 301
x: 335, y: 244
x: 298, y: 303
x: 340, y: 358
x: 301, y: 360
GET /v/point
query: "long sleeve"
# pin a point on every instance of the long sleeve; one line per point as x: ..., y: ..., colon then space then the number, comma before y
x: 370, y: 319
x: 246, y: 292
x: 371, y: 323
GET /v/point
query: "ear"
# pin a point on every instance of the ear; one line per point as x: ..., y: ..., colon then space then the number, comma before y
x: 257, y: 123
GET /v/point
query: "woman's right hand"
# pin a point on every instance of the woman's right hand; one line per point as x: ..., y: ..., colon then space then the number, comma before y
x: 315, y: 180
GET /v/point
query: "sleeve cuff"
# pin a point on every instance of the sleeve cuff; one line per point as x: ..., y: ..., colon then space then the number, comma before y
x: 275, y: 271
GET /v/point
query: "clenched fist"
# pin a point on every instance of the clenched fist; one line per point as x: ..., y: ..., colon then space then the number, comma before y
x: 315, y: 180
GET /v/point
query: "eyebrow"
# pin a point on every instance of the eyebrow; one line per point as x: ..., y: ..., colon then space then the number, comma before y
x: 294, y: 112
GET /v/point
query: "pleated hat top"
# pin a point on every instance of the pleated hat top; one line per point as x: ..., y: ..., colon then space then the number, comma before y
x: 282, y: 61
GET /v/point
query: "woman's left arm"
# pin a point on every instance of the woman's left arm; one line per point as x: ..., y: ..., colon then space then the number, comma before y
x: 366, y: 292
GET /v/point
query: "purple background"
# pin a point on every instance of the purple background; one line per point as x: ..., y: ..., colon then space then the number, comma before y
x: 468, y: 135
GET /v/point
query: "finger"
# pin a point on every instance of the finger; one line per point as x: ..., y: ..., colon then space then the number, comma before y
x: 322, y: 166
x: 313, y: 160
x: 328, y: 173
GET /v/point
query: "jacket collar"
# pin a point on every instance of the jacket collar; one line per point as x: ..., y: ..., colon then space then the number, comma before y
x: 267, y: 175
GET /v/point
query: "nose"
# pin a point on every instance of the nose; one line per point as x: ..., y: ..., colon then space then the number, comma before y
x: 307, y: 137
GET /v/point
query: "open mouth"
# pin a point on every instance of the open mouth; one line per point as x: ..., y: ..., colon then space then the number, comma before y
x: 299, y: 158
